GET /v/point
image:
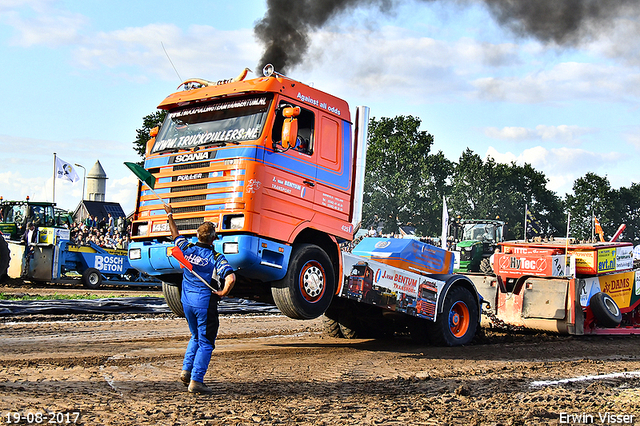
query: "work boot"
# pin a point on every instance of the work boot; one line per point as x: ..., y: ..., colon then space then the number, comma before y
x: 198, y: 387
x: 185, y: 377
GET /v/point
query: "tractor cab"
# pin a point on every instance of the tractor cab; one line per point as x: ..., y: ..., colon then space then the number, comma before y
x: 475, y: 241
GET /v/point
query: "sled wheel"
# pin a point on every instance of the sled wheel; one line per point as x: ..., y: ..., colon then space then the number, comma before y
x: 605, y: 310
x: 457, y: 323
x: 306, y: 290
x: 173, y: 298
x: 330, y: 327
x: 92, y: 278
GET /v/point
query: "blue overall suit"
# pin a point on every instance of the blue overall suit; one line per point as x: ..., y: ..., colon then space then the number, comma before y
x: 200, y: 304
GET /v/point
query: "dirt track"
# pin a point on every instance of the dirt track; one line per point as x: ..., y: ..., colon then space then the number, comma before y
x: 122, y: 369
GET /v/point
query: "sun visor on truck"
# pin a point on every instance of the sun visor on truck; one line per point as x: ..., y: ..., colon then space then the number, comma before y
x: 407, y: 254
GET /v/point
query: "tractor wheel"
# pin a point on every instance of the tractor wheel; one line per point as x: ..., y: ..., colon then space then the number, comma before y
x: 173, y: 298
x: 605, y: 310
x: 92, y: 278
x: 306, y: 290
x: 456, y: 325
x: 485, y: 266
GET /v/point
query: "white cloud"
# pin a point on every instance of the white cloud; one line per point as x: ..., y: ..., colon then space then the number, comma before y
x: 562, y: 166
x: 566, y: 81
x: 566, y: 134
x: 40, y: 23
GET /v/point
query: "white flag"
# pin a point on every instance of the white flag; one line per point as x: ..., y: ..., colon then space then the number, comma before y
x: 66, y: 171
x: 445, y: 223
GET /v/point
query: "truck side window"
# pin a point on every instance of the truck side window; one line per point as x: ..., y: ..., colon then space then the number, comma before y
x: 306, y: 122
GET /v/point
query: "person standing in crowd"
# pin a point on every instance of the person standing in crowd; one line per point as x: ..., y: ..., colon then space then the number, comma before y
x: 30, y: 239
x: 110, y: 224
x: 199, y: 301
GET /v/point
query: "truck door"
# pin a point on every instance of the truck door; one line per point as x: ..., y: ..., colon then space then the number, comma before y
x: 333, y: 150
x: 290, y: 172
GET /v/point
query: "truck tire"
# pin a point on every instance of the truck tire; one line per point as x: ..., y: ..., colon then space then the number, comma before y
x: 306, y: 290
x: 5, y: 257
x: 92, y: 278
x: 606, y: 310
x: 456, y: 325
x: 172, y: 295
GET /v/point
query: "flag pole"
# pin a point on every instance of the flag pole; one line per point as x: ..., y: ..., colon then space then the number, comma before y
x: 566, y: 246
x: 53, y: 200
x: 524, y: 237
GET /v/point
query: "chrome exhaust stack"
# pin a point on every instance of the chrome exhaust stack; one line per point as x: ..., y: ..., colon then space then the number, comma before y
x: 361, y: 133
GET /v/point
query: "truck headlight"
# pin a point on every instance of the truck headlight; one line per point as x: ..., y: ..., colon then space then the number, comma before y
x: 135, y: 254
x: 233, y: 222
x: 230, y: 248
x: 141, y: 229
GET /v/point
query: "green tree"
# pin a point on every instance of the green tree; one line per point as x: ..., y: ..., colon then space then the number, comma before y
x: 404, y: 183
x: 150, y: 121
x: 484, y: 189
x: 627, y: 210
x: 592, y: 195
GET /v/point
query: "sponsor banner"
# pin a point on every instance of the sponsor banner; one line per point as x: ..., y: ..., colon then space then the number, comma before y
x: 619, y: 287
x: 109, y: 264
x: 624, y: 258
x: 638, y: 283
x: 604, y: 260
x: 529, y: 264
x: 395, y: 289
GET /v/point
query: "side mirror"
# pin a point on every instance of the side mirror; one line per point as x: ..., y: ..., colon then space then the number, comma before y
x: 153, y: 133
x: 289, y: 127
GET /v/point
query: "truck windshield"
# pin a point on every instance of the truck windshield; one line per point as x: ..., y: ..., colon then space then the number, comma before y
x: 215, y: 123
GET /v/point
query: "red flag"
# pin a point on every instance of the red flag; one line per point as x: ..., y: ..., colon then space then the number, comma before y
x: 184, y: 263
x: 599, y: 230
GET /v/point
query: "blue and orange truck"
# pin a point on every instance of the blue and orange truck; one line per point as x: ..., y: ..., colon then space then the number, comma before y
x: 278, y: 166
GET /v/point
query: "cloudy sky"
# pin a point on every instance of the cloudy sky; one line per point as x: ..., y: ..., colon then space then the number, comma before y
x: 78, y: 77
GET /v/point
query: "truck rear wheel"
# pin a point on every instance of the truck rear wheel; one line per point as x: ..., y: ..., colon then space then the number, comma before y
x: 306, y: 290
x: 456, y: 325
x: 173, y: 298
x: 91, y: 278
x: 606, y: 310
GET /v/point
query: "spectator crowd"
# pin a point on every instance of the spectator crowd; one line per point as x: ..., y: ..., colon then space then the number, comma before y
x: 107, y: 232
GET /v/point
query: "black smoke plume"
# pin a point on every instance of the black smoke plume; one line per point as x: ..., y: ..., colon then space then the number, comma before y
x: 284, y: 30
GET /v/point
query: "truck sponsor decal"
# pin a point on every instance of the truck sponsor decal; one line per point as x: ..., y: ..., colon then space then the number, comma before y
x: 113, y: 264
x: 315, y: 102
x: 253, y: 185
x: 240, y: 103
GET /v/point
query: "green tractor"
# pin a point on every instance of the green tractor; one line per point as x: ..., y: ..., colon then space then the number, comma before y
x: 14, y: 216
x: 475, y: 241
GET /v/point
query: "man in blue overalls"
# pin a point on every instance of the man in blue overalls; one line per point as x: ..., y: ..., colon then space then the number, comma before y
x: 199, y: 301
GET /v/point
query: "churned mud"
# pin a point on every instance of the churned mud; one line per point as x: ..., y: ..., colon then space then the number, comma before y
x: 268, y: 369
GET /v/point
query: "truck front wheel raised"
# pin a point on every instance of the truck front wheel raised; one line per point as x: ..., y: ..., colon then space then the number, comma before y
x: 91, y: 278
x: 306, y: 290
x: 458, y: 322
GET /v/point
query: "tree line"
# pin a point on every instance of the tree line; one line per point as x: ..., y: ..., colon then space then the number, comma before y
x: 405, y: 182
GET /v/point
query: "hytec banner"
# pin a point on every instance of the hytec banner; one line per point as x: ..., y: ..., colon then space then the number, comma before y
x: 66, y: 171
